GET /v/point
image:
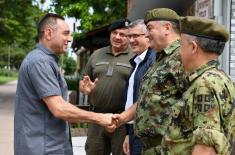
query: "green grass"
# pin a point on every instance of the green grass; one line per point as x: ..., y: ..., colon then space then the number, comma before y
x: 5, y: 79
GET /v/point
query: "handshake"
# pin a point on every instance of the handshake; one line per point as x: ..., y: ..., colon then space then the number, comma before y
x: 110, y: 121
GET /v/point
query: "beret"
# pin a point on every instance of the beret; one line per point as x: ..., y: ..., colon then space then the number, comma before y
x: 161, y: 14
x: 118, y: 24
x: 203, y: 27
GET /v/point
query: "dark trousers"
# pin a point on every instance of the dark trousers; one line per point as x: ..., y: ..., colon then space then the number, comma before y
x: 135, y: 143
x: 101, y: 142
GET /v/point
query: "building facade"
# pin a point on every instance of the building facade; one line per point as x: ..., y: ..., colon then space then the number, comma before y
x: 223, y: 11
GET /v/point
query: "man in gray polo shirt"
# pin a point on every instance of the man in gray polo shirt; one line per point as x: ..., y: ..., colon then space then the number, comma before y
x: 41, y: 112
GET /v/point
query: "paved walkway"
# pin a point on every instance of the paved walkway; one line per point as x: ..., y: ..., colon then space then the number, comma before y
x: 7, y: 99
x: 7, y: 95
x: 78, y: 145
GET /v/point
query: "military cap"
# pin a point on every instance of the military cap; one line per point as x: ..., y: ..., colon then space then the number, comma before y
x: 203, y: 27
x: 161, y: 14
x: 118, y: 24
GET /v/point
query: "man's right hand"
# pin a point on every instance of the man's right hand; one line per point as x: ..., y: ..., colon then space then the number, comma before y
x: 86, y: 85
x: 126, y: 145
x: 116, y: 122
x: 105, y: 120
x: 118, y: 119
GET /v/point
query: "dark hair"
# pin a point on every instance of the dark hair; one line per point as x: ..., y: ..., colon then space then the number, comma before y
x: 49, y: 19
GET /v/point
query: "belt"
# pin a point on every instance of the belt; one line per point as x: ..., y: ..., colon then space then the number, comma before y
x: 149, y: 142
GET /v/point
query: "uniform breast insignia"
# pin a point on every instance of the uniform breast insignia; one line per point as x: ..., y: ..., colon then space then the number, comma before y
x: 110, y: 71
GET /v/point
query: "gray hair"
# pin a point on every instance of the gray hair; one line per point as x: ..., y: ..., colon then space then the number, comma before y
x: 138, y: 22
x: 208, y: 45
x: 175, y: 25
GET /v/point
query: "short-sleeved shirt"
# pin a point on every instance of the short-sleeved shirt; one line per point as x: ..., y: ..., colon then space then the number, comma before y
x: 112, y: 72
x: 205, y: 114
x: 36, y: 130
x: 161, y: 86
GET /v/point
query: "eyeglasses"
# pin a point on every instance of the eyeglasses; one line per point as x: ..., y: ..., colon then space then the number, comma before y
x: 135, y: 36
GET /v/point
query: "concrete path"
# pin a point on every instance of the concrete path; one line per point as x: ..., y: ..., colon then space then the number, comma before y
x: 7, y: 99
x: 78, y: 145
x: 7, y: 95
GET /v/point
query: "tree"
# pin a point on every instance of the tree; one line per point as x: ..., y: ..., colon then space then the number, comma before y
x: 92, y: 13
x: 69, y: 65
x: 18, y: 20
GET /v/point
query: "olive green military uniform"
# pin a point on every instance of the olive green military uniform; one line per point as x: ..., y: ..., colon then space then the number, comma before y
x: 161, y: 86
x: 203, y: 116
x: 107, y: 97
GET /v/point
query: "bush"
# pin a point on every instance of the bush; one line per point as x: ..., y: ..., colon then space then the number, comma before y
x: 79, y: 129
x: 6, y: 72
x: 72, y: 82
x: 6, y: 75
x: 69, y: 65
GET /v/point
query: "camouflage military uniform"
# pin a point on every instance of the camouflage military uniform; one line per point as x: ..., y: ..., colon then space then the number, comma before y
x: 161, y: 86
x: 205, y: 115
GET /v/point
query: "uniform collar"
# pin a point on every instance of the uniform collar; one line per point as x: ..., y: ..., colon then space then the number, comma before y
x: 203, y: 68
x: 170, y: 48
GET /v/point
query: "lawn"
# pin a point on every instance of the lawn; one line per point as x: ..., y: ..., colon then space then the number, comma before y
x: 5, y: 79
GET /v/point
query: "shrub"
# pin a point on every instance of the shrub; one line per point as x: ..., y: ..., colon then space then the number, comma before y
x: 6, y: 72
x: 72, y: 82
